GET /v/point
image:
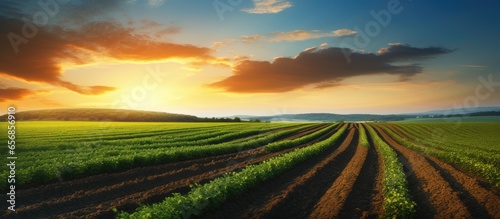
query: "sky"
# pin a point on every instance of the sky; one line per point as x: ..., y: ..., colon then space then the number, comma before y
x: 250, y: 57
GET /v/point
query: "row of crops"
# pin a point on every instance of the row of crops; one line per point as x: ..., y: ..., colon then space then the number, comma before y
x: 214, y: 193
x: 43, y: 157
x: 86, y: 148
x: 471, y: 146
x: 398, y: 202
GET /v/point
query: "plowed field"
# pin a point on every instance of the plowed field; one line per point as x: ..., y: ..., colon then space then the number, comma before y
x: 343, y: 181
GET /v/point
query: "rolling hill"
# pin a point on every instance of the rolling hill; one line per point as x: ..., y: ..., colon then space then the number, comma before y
x: 85, y: 114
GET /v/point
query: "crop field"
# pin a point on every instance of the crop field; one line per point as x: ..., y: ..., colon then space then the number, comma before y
x: 256, y: 170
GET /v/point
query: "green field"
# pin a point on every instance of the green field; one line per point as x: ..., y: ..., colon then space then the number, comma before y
x: 48, y: 151
x: 193, y: 169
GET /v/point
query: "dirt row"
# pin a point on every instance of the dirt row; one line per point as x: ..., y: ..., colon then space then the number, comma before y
x: 96, y: 196
x: 345, y: 182
x: 338, y: 182
x: 442, y: 191
x: 342, y: 182
x: 467, y: 184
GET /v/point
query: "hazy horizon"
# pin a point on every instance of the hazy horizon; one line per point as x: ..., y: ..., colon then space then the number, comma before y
x: 223, y: 58
x: 284, y: 111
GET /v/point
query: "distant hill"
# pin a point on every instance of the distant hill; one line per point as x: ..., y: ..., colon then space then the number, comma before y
x: 86, y: 114
x: 456, y: 119
x: 460, y: 111
x: 328, y: 117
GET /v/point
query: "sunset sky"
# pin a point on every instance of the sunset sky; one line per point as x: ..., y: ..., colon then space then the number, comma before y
x: 260, y: 57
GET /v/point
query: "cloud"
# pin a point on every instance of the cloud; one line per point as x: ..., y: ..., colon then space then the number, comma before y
x: 297, y: 35
x: 43, y: 55
x: 152, y: 3
x: 153, y: 28
x: 241, y: 58
x: 301, y: 35
x: 156, y: 3
x: 344, y: 33
x: 324, y: 67
x: 80, y: 12
x: 251, y: 38
x: 268, y: 6
x: 116, y: 41
x: 12, y: 93
x: 292, y: 36
x: 400, y: 52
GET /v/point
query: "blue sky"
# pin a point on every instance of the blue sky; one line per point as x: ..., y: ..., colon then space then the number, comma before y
x: 467, y: 26
x: 219, y: 55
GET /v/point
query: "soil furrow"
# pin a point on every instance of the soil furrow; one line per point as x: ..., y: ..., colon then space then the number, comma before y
x: 258, y: 202
x: 480, y: 198
x: 304, y: 196
x: 81, y: 186
x: 481, y: 179
x: 342, y: 182
x: 148, y: 186
x: 366, y: 198
x: 158, y: 193
x: 437, y: 190
x: 333, y: 200
x: 480, y: 201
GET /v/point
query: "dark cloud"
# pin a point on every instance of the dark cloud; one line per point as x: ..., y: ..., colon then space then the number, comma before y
x: 324, y: 67
x: 398, y: 51
x: 81, y: 12
x: 11, y: 8
x: 38, y: 53
x: 14, y: 93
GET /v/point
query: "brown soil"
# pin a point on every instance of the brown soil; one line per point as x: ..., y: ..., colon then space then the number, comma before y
x: 96, y: 196
x: 366, y: 199
x: 268, y: 200
x: 483, y: 199
x: 342, y: 182
x: 438, y: 191
x: 333, y: 200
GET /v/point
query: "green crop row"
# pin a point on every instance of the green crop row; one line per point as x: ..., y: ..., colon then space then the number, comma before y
x: 363, y: 138
x: 280, y: 145
x: 89, y: 131
x: 451, y: 155
x: 103, y: 149
x: 216, y: 192
x: 93, y: 158
x: 397, y: 201
x: 77, y: 151
x: 464, y: 140
x: 473, y: 136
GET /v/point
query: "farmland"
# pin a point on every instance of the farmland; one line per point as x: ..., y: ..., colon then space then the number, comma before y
x: 256, y: 170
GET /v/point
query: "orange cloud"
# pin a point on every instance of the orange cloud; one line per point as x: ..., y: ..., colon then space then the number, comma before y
x: 296, y: 35
x: 40, y: 58
x: 251, y: 38
x: 323, y: 67
x: 268, y: 6
x: 344, y: 33
x: 14, y: 93
x: 301, y: 35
